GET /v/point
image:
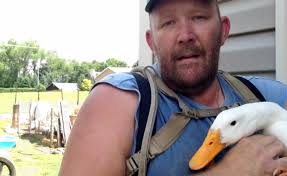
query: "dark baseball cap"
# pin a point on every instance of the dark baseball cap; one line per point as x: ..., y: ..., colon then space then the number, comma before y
x: 151, y: 3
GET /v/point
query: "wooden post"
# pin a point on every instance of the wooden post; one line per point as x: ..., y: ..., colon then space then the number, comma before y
x: 52, y: 129
x: 15, y: 100
x: 30, y: 118
x: 62, y: 123
x: 78, y: 97
x: 62, y: 94
x: 18, y: 127
x: 38, y: 94
x: 15, y: 116
x: 59, y: 132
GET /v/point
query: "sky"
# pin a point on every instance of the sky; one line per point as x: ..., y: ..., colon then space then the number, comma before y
x: 83, y: 30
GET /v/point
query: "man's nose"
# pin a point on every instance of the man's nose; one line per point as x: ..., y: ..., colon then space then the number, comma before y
x: 186, y: 33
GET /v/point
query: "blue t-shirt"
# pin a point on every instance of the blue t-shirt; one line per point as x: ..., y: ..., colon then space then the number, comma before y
x: 174, y: 161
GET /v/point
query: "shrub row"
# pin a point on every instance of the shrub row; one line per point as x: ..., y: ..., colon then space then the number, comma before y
x: 3, y: 90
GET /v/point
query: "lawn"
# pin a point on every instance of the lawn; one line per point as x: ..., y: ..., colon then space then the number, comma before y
x: 7, y: 99
x: 27, y: 157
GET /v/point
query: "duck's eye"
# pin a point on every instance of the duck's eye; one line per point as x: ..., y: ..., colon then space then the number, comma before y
x: 233, y: 123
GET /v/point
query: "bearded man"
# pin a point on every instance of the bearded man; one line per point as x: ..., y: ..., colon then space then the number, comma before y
x: 185, y: 36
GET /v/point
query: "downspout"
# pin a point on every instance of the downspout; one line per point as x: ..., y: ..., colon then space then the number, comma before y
x: 281, y: 40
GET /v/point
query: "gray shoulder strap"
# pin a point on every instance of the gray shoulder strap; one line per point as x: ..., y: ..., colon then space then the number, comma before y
x: 241, y: 88
x: 142, y: 157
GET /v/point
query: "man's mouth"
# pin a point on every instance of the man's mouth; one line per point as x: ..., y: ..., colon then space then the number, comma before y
x: 191, y: 56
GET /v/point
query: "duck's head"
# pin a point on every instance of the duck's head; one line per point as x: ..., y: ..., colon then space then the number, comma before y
x: 233, y: 124
x: 228, y: 128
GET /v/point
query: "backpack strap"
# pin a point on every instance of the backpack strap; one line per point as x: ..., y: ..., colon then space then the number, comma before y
x: 251, y: 87
x: 144, y: 106
x: 245, y: 88
x: 142, y: 157
x: 168, y: 134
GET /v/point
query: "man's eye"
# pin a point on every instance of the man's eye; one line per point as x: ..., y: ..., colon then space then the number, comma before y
x: 199, y: 18
x: 168, y: 23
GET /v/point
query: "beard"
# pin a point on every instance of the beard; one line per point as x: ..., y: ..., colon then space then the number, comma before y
x: 191, y: 77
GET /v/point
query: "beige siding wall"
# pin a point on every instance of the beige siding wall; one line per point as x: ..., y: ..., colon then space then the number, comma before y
x: 250, y: 48
x: 281, y: 40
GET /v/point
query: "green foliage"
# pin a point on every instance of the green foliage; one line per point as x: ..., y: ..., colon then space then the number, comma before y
x: 23, y: 64
x: 3, y: 90
x: 86, y: 85
x: 16, y: 60
x: 42, y: 87
x: 115, y: 63
x: 26, y: 81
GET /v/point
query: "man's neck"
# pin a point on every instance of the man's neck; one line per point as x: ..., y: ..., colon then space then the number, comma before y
x: 212, y: 96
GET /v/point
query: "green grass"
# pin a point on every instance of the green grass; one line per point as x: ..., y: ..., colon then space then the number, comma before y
x: 30, y: 161
x: 8, y: 99
x: 26, y: 157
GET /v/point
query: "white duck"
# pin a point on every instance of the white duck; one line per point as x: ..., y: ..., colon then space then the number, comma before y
x: 233, y: 124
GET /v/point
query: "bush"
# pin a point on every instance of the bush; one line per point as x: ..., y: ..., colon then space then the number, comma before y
x: 86, y: 85
x: 26, y: 81
x: 42, y: 87
x: 4, y: 90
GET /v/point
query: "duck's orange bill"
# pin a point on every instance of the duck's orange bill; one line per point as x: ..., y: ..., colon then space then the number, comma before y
x: 206, y: 153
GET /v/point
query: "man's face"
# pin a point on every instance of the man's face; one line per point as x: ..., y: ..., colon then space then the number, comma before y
x: 186, y: 36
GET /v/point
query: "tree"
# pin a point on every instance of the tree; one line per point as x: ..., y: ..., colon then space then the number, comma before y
x: 115, y: 63
x: 27, y: 81
x: 16, y: 58
x: 23, y: 64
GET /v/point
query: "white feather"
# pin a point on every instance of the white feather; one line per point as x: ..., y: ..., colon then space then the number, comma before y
x: 247, y: 119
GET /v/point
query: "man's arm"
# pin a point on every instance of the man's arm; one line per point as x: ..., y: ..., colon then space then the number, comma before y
x: 101, y: 139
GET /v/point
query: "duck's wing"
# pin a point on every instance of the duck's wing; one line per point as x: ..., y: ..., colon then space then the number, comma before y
x: 279, y: 130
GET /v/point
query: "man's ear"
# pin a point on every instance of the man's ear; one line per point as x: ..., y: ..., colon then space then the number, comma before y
x: 225, y: 23
x: 148, y: 37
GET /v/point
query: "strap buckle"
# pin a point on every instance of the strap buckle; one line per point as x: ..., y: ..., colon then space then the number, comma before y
x: 192, y: 113
x: 131, y: 166
x: 150, y: 156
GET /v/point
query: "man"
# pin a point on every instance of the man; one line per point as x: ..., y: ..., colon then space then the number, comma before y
x: 185, y: 36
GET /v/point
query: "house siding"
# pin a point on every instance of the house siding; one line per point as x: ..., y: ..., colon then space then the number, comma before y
x: 250, y: 49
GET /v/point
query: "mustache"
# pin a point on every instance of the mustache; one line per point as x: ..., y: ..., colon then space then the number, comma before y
x: 188, y: 50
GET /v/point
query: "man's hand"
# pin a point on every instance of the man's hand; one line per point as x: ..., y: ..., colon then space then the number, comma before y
x: 252, y: 156
x: 281, y: 170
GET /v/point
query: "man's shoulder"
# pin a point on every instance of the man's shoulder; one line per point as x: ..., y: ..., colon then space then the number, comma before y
x: 271, y: 89
x: 123, y: 80
x: 265, y: 82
